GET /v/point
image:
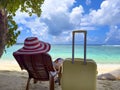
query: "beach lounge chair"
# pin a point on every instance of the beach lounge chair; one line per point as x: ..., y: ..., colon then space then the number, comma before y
x: 38, y: 66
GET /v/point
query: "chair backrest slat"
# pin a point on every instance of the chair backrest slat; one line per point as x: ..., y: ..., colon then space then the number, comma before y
x: 37, y: 65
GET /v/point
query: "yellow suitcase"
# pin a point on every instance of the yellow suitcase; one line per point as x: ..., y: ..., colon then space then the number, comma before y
x: 78, y: 73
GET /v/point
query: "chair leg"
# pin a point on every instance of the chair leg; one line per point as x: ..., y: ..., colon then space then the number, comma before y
x: 60, y: 75
x: 51, y: 83
x: 27, y: 86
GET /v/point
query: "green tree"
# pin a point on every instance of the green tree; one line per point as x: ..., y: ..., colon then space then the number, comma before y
x: 8, y: 27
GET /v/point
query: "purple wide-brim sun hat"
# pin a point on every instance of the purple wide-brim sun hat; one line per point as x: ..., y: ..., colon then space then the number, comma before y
x: 34, y: 46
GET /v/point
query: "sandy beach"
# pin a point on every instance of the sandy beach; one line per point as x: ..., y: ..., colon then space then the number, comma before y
x: 12, y: 78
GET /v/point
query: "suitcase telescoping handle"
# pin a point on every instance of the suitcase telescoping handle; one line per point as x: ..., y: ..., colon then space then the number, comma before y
x: 73, y: 41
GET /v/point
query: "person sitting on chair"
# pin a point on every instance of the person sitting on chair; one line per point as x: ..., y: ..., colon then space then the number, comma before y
x: 33, y: 46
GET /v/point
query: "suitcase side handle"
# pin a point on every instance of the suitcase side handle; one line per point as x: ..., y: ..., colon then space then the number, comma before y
x: 73, y: 41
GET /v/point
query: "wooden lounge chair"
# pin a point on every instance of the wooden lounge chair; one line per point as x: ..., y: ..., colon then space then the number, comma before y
x: 39, y: 67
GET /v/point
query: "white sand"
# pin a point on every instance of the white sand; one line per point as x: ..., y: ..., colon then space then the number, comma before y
x: 104, y: 68
x: 12, y: 78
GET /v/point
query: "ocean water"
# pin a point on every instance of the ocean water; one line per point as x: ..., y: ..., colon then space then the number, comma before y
x: 107, y: 54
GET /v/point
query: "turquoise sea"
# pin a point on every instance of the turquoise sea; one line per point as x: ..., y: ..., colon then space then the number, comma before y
x: 99, y: 53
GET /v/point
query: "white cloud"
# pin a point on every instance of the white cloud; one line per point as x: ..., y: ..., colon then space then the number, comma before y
x: 20, y: 28
x: 58, y: 20
x: 108, y: 14
x: 51, y: 7
x: 59, y: 17
x: 62, y: 39
x: 76, y: 15
x: 113, y: 36
x: 54, y: 20
x: 87, y: 28
x: 20, y: 17
x: 86, y: 23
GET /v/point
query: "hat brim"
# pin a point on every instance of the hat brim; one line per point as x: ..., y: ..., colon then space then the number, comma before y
x: 42, y: 48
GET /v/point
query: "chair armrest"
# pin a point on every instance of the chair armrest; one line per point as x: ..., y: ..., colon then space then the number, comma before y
x: 53, y: 74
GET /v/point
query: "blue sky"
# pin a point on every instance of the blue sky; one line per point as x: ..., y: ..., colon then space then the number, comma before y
x: 101, y: 19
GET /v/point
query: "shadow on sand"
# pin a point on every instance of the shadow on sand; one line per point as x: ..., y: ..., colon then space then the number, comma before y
x: 14, y: 80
